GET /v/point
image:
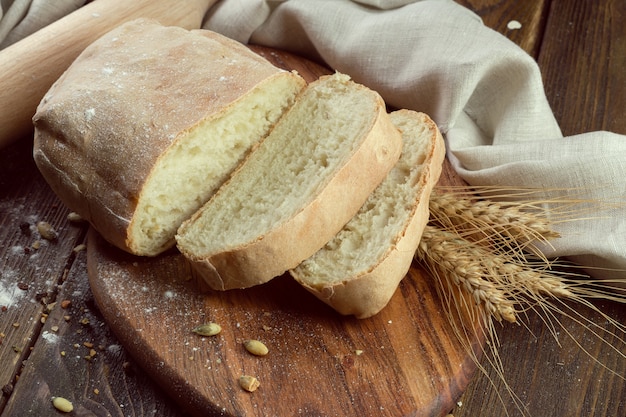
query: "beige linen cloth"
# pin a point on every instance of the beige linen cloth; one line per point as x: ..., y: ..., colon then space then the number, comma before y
x: 484, y: 92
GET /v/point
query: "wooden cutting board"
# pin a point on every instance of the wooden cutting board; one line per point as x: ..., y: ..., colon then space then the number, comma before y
x: 405, y: 361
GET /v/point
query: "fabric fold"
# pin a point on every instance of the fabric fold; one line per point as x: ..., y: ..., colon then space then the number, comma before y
x: 25, y: 17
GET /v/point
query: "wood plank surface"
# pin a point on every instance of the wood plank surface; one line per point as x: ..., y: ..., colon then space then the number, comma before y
x: 77, y: 357
x: 501, y: 15
x: 410, y: 362
x: 581, y: 50
x: 583, y: 61
x: 32, y: 267
x: 582, y: 56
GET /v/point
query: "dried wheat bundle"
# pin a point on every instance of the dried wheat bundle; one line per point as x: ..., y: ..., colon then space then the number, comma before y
x: 484, y: 255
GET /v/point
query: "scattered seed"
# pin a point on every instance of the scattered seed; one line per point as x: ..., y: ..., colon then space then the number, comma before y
x: 16, y: 325
x: 36, y: 244
x: 92, y: 354
x: 62, y: 404
x: 66, y: 303
x: 249, y: 383
x: 358, y: 352
x: 74, y: 217
x: 208, y: 329
x: 96, y: 391
x: 47, y: 231
x: 88, y: 344
x: 79, y: 248
x: 255, y: 347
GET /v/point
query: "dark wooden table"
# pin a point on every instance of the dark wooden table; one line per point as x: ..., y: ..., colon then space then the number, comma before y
x: 51, y: 330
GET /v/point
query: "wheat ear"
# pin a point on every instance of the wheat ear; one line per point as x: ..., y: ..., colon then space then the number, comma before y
x: 484, y: 257
x: 496, y: 224
x: 447, y: 254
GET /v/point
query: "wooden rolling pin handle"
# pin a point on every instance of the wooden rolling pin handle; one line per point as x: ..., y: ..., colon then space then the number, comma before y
x: 29, y: 67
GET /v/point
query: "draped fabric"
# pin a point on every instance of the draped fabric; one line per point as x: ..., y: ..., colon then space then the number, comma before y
x: 484, y: 92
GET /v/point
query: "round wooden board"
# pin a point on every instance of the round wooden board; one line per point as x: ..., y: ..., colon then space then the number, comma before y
x: 405, y: 361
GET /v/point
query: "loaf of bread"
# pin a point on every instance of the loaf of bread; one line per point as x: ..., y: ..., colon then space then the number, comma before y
x: 148, y: 122
x: 358, y: 271
x: 301, y: 185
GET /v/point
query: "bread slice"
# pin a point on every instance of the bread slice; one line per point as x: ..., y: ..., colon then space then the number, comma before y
x: 297, y: 189
x: 358, y: 271
x: 149, y: 121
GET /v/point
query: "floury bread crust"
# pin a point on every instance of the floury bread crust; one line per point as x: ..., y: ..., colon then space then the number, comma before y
x: 148, y: 122
x: 297, y: 189
x: 359, y: 270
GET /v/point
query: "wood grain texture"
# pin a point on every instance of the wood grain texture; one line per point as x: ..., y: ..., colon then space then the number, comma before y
x: 31, y: 266
x: 554, y: 377
x: 588, y: 38
x: 78, y: 358
x: 497, y: 14
x: 409, y: 364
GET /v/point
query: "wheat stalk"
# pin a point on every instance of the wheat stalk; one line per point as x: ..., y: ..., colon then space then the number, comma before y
x: 485, y: 258
x: 449, y: 255
x: 494, y: 222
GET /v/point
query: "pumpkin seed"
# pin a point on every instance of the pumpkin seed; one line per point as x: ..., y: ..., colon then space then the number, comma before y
x: 208, y: 329
x: 255, y: 347
x: 46, y: 231
x: 74, y: 217
x: 62, y: 404
x: 249, y: 383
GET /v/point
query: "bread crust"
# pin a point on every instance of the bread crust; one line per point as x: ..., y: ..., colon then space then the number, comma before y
x: 312, y: 226
x: 366, y: 294
x: 125, y: 100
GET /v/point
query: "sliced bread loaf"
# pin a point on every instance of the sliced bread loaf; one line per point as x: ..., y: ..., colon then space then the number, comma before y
x: 358, y: 271
x: 149, y: 121
x: 291, y: 195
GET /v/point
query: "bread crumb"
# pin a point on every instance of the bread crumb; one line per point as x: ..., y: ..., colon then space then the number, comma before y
x: 513, y: 24
x: 74, y: 217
